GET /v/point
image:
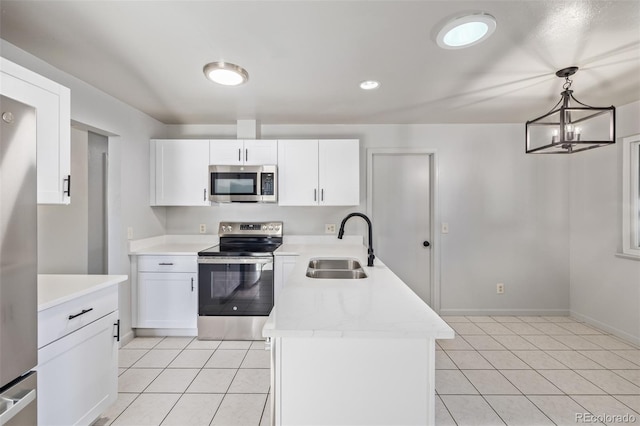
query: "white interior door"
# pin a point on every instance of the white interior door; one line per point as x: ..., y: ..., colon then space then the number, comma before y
x: 401, y: 215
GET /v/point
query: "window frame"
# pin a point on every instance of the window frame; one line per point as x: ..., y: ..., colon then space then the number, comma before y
x: 631, y: 196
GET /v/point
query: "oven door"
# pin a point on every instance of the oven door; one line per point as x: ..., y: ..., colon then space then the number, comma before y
x: 235, y: 286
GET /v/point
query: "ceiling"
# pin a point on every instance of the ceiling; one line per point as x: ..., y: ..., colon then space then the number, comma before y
x: 306, y: 58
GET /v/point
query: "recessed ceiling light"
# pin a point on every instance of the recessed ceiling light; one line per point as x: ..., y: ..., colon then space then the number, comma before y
x: 226, y: 73
x: 466, y: 31
x: 369, y: 85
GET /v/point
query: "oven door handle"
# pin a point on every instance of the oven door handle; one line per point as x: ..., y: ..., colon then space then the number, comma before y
x: 235, y: 260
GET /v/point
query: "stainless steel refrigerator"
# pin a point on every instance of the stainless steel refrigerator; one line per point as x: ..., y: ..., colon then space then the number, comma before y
x: 18, y: 264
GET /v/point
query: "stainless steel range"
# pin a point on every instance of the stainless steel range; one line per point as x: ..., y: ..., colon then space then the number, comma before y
x: 235, y: 281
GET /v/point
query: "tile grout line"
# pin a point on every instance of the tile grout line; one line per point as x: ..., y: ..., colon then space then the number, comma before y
x: 569, y: 349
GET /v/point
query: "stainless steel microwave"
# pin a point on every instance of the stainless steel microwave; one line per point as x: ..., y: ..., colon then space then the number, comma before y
x: 243, y: 184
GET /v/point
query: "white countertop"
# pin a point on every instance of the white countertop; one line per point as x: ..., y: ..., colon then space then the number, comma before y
x: 176, y: 245
x: 380, y: 305
x: 54, y: 289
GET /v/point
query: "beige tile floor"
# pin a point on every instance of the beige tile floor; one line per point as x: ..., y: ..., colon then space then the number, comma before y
x: 498, y: 370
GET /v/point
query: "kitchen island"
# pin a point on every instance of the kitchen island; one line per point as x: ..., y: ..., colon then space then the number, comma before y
x: 351, y: 351
x: 78, y: 335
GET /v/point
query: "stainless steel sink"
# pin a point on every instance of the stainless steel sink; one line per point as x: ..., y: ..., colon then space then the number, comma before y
x: 349, y: 264
x: 335, y: 268
x: 336, y: 274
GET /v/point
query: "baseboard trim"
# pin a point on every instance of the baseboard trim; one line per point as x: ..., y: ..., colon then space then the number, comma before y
x: 605, y: 327
x: 525, y: 312
x: 126, y: 338
x: 162, y: 332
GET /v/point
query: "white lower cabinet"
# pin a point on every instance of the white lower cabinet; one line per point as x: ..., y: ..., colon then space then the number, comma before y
x: 167, y: 300
x: 165, y: 291
x: 366, y: 381
x: 78, y: 372
x: 283, y: 265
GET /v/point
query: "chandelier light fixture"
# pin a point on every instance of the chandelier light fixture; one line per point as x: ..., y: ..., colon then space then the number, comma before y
x: 570, y: 126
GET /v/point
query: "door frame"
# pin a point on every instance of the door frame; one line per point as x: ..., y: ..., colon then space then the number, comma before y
x: 433, y: 207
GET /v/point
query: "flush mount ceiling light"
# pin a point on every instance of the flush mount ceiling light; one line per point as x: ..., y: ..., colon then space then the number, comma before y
x: 226, y: 73
x: 369, y: 85
x: 466, y: 31
x: 569, y: 128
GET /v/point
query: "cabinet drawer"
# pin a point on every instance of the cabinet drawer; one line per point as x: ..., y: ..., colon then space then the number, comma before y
x: 60, y: 320
x: 168, y: 263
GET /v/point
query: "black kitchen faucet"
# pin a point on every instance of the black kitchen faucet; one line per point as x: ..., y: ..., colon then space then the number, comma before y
x: 341, y: 233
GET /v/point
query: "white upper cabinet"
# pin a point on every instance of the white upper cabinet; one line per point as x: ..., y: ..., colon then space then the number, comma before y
x: 319, y: 172
x: 246, y: 152
x: 53, y: 126
x: 179, y: 172
x: 298, y: 172
x: 339, y: 172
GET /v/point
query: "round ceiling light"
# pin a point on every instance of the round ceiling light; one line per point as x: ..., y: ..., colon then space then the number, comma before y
x: 369, y: 85
x: 226, y: 73
x: 466, y: 31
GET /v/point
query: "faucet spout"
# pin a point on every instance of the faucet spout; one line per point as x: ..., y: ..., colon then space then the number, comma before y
x: 370, y: 256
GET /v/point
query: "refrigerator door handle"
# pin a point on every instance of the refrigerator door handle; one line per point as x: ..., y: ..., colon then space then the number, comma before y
x: 14, y: 406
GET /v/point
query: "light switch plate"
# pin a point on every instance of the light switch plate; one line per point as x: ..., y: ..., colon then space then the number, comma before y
x: 445, y: 227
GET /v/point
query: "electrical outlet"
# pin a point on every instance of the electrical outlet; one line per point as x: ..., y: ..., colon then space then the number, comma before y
x: 500, y: 288
x: 203, y: 228
x: 129, y: 233
x: 330, y: 228
x: 445, y: 228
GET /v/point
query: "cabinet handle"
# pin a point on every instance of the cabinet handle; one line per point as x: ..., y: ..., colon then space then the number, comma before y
x: 246, y: 154
x: 239, y: 155
x: 205, y: 194
x: 322, y: 194
x: 117, y: 336
x: 67, y: 191
x: 315, y: 195
x: 192, y: 285
x: 165, y: 263
x: 84, y: 311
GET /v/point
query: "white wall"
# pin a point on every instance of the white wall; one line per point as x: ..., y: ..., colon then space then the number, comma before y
x: 507, y: 212
x: 605, y: 289
x: 128, y: 164
x: 62, y: 229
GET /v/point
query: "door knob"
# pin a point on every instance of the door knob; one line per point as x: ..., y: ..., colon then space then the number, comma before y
x: 426, y: 243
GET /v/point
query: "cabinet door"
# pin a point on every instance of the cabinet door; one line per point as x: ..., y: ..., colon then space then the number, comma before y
x: 282, y: 268
x: 181, y: 172
x: 78, y: 374
x: 167, y: 300
x: 53, y: 127
x: 298, y: 172
x: 226, y: 152
x: 339, y: 172
x: 259, y: 152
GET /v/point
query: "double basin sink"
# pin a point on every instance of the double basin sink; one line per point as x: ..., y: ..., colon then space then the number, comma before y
x: 337, y: 268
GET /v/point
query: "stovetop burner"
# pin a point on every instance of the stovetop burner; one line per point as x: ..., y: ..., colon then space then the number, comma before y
x: 246, y: 239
